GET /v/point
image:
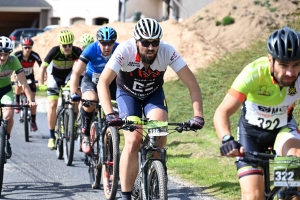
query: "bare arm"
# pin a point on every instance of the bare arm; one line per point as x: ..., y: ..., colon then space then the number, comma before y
x: 228, y: 107
x: 42, y: 70
x: 190, y: 81
x: 77, y: 70
x: 106, y: 77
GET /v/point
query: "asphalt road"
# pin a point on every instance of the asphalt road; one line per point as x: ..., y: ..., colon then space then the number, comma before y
x: 34, y: 172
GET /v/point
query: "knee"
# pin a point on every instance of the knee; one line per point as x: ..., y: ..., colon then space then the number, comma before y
x: 132, y: 146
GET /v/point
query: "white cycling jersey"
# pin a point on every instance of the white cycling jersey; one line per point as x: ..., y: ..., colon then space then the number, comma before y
x: 133, y: 77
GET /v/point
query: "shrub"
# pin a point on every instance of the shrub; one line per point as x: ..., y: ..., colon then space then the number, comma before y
x: 218, y: 23
x: 227, y: 20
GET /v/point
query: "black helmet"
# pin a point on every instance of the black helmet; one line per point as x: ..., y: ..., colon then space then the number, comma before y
x: 284, y: 44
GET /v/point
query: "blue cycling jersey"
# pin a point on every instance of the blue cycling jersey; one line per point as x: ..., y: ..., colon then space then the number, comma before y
x: 92, y: 56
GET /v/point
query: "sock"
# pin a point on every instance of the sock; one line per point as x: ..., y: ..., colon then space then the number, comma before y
x: 8, y: 136
x: 52, y: 134
x: 126, y: 195
x: 33, y: 118
x: 17, y: 98
x: 86, y: 122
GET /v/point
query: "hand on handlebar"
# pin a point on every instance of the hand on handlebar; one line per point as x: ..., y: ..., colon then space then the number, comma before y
x: 43, y: 87
x: 32, y: 104
x: 113, y: 119
x: 231, y: 149
x: 75, y: 98
x: 196, y: 123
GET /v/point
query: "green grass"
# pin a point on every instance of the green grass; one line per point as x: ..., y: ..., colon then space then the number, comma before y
x: 194, y: 157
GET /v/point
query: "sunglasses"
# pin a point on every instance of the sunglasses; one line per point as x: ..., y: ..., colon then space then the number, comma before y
x: 27, y: 47
x: 67, y: 45
x: 146, y: 43
x: 107, y: 43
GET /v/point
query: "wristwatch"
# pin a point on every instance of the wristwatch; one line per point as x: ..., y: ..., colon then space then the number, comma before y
x: 227, y: 138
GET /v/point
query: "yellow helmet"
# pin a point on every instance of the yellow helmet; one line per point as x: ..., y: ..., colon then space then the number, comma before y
x: 65, y: 37
x: 86, y: 39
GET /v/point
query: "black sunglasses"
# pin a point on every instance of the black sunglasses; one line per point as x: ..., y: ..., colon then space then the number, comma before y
x: 106, y: 43
x: 67, y: 45
x: 146, y: 43
x: 27, y: 47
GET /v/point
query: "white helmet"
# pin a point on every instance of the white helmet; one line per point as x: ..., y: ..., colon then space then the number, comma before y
x: 5, y: 45
x: 147, y: 28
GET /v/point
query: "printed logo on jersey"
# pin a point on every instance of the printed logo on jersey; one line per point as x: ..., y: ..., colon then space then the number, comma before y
x: 174, y: 56
x: 273, y: 110
x: 134, y: 64
x: 119, y: 58
x: 263, y: 90
x: 145, y: 73
x: 292, y: 91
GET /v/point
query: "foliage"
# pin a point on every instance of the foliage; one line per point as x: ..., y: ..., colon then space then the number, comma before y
x: 227, y: 20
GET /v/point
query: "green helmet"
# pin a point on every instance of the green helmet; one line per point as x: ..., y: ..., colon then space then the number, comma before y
x: 65, y: 37
x: 86, y: 39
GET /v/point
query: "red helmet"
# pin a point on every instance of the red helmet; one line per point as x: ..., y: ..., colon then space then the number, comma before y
x: 27, y: 41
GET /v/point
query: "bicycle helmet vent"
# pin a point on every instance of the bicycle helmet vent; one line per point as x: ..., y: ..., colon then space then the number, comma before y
x: 27, y: 41
x: 65, y: 37
x: 5, y: 45
x: 86, y: 39
x: 106, y: 34
x: 284, y: 44
x: 147, y: 28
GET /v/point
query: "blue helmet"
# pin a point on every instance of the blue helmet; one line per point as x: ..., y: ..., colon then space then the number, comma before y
x: 106, y: 34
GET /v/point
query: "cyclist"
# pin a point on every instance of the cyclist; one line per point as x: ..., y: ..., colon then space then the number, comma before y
x: 9, y: 64
x: 27, y: 58
x: 267, y: 90
x: 140, y: 64
x: 92, y: 61
x: 59, y: 60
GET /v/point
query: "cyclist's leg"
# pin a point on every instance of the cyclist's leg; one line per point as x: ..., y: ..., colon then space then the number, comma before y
x: 251, y: 178
x: 288, y: 140
x: 155, y: 107
x: 7, y: 97
x: 33, y: 110
x: 129, y: 106
x: 89, y: 92
x: 52, y: 95
x: 18, y: 90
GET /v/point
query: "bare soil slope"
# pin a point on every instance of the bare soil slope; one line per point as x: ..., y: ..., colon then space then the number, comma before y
x: 198, y: 39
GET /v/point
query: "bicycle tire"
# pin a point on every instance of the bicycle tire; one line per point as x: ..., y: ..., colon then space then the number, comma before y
x: 59, y: 142
x: 26, y: 124
x: 2, y: 155
x: 94, y: 167
x: 69, y: 139
x: 156, y: 181
x: 110, y: 168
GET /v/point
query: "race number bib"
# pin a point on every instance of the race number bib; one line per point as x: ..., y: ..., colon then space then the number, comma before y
x: 267, y: 117
x: 95, y: 78
x: 28, y: 71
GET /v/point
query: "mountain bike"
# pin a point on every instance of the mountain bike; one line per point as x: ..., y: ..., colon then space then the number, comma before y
x: 151, y: 181
x: 25, y: 113
x: 105, y: 154
x: 286, y: 173
x: 3, y: 139
x: 64, y: 129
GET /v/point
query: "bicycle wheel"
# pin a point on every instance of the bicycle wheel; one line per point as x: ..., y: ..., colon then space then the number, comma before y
x: 94, y: 166
x: 2, y: 155
x: 58, y: 130
x: 79, y: 137
x: 69, y: 137
x: 156, y: 181
x: 110, y: 167
x: 26, y: 124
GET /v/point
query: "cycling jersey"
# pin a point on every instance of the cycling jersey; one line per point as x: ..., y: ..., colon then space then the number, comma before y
x: 29, y: 63
x: 133, y: 76
x: 62, y: 64
x: 11, y: 65
x: 94, y: 60
x: 266, y: 105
